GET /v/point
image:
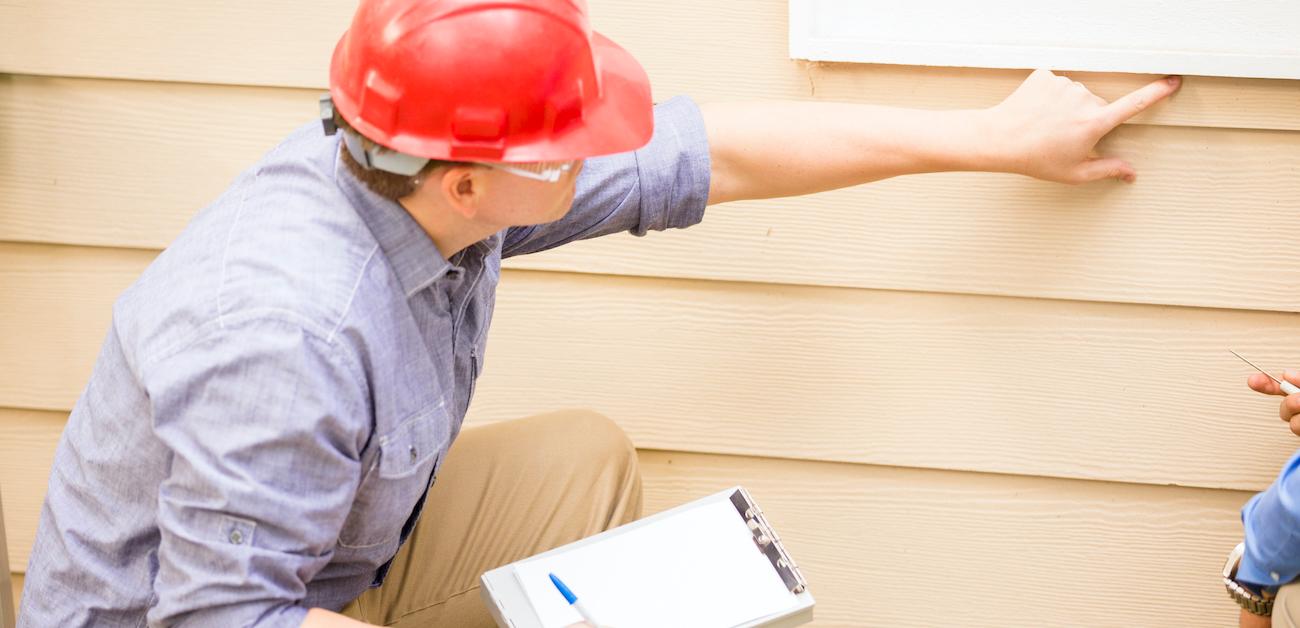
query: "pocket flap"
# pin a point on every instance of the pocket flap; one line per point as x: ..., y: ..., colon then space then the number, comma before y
x: 415, y: 442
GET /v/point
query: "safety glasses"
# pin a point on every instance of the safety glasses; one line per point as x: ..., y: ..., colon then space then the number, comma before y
x: 549, y: 172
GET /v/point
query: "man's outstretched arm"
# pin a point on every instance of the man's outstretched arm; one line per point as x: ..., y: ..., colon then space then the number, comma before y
x: 1047, y: 129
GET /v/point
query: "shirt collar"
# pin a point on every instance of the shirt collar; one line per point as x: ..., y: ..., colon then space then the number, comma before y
x: 411, y: 253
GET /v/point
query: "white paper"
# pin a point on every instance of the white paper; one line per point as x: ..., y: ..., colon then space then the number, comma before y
x: 699, y: 568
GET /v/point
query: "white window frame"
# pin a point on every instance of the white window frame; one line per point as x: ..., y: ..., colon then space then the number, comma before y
x: 1241, y: 38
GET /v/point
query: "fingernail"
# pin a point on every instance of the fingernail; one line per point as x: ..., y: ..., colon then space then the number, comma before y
x: 1174, y: 80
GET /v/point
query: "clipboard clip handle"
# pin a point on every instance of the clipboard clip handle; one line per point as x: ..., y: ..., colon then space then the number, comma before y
x: 768, y: 542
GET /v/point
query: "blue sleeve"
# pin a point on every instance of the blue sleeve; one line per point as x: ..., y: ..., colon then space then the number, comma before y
x: 1271, y: 520
x: 664, y: 185
x: 265, y: 423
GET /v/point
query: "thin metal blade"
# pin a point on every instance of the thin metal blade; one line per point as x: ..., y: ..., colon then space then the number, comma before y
x: 1279, y: 382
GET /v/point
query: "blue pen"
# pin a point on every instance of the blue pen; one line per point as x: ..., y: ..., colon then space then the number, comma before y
x: 573, y: 601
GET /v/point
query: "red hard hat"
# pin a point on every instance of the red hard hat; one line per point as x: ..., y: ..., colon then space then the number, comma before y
x: 489, y: 80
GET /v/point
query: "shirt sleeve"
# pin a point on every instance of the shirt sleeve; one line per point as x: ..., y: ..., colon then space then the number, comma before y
x: 664, y: 185
x: 1271, y: 520
x: 265, y: 423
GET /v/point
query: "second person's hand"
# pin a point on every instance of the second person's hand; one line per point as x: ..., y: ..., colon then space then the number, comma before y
x: 1289, y: 409
x: 1249, y: 620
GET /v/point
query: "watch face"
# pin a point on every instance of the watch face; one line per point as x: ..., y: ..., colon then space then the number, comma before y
x: 1234, y: 557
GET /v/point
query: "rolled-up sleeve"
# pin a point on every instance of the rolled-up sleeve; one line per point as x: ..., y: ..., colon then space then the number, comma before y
x: 265, y: 423
x: 664, y: 185
x: 1272, y: 522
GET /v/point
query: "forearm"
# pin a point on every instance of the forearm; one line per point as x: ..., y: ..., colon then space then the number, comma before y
x: 1048, y: 129
x: 769, y: 149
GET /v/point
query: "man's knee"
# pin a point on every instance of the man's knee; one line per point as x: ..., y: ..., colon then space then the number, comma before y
x: 594, y: 434
x: 569, y: 448
x: 593, y: 445
x: 586, y: 443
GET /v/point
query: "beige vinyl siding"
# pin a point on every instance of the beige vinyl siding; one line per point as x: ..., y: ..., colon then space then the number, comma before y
x: 17, y: 588
x: 1005, y: 385
x: 946, y: 390
x: 27, y: 441
x: 150, y: 154
x: 857, y: 531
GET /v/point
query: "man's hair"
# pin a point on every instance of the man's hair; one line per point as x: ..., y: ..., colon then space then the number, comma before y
x: 386, y: 184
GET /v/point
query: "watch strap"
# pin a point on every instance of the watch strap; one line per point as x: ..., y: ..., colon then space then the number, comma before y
x: 1257, y: 603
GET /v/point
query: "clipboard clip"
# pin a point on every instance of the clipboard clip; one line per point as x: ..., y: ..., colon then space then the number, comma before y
x: 768, y: 542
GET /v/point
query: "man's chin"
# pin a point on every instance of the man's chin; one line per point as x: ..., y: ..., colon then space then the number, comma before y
x: 547, y: 219
x: 559, y: 214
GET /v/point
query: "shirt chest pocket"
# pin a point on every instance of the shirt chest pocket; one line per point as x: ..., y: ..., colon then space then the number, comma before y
x: 396, y: 479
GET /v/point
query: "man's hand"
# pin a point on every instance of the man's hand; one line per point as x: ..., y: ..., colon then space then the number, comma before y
x: 1050, y: 125
x: 1289, y: 410
x: 1251, y: 620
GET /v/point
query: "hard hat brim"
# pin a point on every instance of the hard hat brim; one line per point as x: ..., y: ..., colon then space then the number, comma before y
x: 623, y: 120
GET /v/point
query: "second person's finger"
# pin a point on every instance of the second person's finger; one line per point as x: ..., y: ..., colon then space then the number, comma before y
x: 1289, y: 408
x: 1262, y: 383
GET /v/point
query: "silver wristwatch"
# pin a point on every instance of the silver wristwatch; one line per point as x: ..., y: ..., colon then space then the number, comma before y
x: 1255, y: 603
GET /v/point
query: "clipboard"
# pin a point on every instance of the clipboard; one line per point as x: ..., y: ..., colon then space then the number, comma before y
x: 509, y: 602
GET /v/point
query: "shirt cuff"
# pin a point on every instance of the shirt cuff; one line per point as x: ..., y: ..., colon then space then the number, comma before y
x: 674, y: 168
x: 1269, y: 519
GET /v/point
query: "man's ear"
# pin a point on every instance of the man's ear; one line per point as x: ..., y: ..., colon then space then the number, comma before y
x: 463, y: 188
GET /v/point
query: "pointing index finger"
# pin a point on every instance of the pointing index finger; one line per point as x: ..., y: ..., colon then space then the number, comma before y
x: 1139, y: 100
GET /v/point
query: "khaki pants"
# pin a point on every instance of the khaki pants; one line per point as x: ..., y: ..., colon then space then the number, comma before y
x: 506, y: 491
x: 1286, y: 608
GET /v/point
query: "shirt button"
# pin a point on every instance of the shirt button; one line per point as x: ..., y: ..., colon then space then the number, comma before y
x: 413, y: 454
x: 236, y: 537
x: 1274, y: 576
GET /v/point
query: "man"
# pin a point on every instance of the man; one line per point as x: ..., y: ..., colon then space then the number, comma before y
x: 1259, y: 572
x: 259, y: 442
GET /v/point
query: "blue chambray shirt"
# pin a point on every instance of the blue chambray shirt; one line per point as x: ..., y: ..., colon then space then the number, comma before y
x: 278, y: 388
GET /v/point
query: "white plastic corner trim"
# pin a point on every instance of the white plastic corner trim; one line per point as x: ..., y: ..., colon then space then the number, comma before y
x: 1242, y: 38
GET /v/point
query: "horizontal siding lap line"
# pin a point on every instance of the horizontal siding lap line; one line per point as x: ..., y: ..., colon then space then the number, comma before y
x: 856, y: 367
x: 1195, y: 223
